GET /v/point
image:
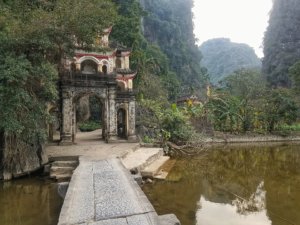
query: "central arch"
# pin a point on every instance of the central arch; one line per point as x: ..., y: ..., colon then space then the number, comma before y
x: 89, y: 111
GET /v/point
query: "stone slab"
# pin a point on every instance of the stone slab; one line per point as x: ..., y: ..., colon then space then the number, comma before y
x: 169, y: 219
x: 161, y: 175
x: 148, y: 218
x: 141, y: 158
x: 154, y: 167
x: 78, y: 206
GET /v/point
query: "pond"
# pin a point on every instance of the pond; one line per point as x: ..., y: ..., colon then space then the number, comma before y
x: 233, y: 185
x: 29, y: 201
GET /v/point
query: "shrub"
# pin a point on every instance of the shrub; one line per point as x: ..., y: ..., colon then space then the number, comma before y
x: 88, y: 126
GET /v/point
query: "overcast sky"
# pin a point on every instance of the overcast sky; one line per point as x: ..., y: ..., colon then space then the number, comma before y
x: 243, y: 21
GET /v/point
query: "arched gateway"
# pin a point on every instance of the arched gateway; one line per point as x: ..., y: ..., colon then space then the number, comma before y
x: 107, y: 76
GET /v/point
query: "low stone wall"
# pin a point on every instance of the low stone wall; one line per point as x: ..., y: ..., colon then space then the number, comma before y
x: 250, y: 138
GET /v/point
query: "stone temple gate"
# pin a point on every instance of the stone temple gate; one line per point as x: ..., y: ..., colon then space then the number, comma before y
x: 105, y: 75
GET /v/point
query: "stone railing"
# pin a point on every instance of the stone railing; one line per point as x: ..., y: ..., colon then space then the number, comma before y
x: 81, y: 79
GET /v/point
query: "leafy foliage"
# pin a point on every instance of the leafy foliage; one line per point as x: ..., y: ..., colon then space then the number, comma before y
x: 34, y: 38
x: 244, y: 103
x: 279, y: 108
x: 171, y: 122
x: 222, y: 57
x: 281, y: 42
x: 294, y: 72
x: 89, y: 125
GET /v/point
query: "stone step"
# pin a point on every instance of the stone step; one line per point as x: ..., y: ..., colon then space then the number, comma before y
x: 60, y: 173
x: 62, y: 177
x: 151, y: 170
x: 141, y: 158
x: 72, y: 163
x: 63, y: 158
x: 61, y: 169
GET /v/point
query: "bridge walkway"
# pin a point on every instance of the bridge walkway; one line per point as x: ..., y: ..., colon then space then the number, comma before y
x: 104, y: 193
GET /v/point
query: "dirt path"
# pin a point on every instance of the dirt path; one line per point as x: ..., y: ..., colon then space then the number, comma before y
x: 90, y: 145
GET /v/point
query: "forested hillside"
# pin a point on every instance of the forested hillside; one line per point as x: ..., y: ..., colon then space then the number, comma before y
x: 169, y: 24
x: 282, y: 42
x: 222, y: 57
x: 164, y: 52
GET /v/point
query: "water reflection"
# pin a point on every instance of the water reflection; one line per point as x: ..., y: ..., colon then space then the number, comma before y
x: 245, y: 183
x: 242, y: 211
x: 29, y: 201
x: 226, y: 214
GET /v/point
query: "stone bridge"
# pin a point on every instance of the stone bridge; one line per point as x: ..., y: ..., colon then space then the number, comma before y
x: 104, y: 193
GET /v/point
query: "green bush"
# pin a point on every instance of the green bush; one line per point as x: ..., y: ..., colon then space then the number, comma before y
x: 293, y: 127
x: 178, y: 125
x: 88, y: 126
x: 147, y: 139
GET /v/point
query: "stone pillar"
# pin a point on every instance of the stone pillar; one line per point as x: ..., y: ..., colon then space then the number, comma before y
x: 99, y: 68
x: 112, y: 115
x: 74, y: 122
x: 131, y: 121
x: 67, y: 116
x: 78, y: 66
x: 105, y: 119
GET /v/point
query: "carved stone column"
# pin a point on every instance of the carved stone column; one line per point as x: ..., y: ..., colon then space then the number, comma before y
x: 112, y: 115
x: 105, y: 119
x: 131, y: 121
x: 67, y: 116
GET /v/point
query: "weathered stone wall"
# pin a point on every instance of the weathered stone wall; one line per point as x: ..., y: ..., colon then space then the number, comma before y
x: 20, y: 158
x: 1, y: 154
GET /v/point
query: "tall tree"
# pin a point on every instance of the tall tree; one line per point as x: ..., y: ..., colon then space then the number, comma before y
x: 282, y: 42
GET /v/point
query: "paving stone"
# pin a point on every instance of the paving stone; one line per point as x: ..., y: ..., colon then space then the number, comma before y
x: 102, y: 165
x: 112, y: 191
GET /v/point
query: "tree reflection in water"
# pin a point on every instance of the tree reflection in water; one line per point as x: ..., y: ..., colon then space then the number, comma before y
x: 241, y: 211
x: 256, y: 202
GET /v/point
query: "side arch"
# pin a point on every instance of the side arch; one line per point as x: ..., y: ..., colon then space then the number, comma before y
x: 122, y: 85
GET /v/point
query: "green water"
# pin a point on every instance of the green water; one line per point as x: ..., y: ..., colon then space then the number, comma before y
x: 233, y: 185
x: 29, y: 201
